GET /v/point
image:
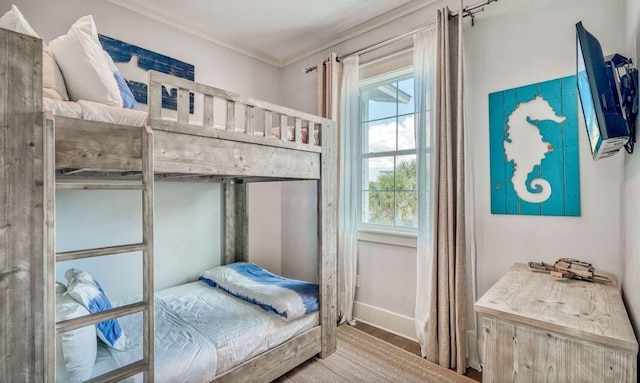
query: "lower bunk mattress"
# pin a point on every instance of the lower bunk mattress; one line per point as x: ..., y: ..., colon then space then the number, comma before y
x: 201, y: 332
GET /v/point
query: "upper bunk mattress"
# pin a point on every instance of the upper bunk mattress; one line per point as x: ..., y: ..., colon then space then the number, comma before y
x: 95, y: 111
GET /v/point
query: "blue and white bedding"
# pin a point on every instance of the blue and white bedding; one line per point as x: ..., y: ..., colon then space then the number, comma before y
x: 182, y: 352
x: 239, y: 330
x: 203, y: 331
x: 288, y: 298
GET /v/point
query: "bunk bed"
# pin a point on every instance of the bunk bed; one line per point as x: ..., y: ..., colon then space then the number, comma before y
x: 39, y: 149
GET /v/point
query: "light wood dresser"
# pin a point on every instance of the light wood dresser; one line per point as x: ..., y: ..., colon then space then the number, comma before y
x: 541, y: 329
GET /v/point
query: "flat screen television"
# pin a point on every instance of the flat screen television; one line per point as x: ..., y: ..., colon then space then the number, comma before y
x: 600, y: 96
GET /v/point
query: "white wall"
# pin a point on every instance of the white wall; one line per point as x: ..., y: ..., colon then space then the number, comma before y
x: 187, y: 215
x: 386, y: 295
x: 522, y: 42
x: 265, y: 226
x: 631, y: 207
x: 214, y: 65
x: 299, y: 230
x: 187, y: 234
x: 514, y: 43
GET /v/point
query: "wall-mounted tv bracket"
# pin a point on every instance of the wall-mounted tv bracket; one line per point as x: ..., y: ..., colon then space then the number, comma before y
x: 627, y: 86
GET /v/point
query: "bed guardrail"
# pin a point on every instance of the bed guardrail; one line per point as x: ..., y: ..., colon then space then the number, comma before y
x: 226, y: 115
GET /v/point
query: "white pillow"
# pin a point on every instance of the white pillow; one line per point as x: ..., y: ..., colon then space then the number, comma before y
x: 84, y: 289
x: 14, y: 21
x: 52, y: 80
x: 85, y: 69
x: 75, y: 350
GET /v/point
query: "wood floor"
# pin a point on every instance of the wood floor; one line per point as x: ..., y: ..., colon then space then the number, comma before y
x: 406, y: 344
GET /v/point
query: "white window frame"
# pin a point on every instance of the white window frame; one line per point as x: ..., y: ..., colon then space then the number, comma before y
x: 369, y: 231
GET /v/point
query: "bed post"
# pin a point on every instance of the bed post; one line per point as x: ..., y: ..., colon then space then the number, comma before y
x: 23, y: 278
x: 327, y: 237
x: 236, y: 228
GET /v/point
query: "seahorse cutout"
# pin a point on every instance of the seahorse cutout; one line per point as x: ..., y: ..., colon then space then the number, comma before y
x: 132, y: 71
x: 524, y: 146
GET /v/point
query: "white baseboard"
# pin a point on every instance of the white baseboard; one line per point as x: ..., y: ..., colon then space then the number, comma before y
x: 386, y: 320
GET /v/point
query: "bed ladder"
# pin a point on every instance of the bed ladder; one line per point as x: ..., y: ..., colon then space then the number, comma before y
x: 146, y: 306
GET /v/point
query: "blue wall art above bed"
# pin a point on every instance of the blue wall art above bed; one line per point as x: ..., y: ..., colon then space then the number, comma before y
x: 138, y: 61
x: 533, y: 142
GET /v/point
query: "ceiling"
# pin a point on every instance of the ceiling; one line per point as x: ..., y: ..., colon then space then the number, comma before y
x: 277, y: 31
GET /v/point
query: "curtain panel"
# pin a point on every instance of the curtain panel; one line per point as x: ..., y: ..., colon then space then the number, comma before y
x: 348, y: 191
x: 338, y: 95
x: 447, y: 342
x: 424, y: 66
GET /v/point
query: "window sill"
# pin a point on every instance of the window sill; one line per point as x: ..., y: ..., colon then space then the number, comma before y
x: 388, y: 238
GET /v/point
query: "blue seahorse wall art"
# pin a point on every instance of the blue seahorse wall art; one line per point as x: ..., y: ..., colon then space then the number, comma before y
x: 534, y: 149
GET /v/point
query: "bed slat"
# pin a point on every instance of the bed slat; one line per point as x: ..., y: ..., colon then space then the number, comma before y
x: 273, y: 363
x: 121, y: 373
x: 89, y: 253
x: 98, y: 186
x: 236, y: 222
x: 250, y: 120
x: 183, y: 105
x: 22, y: 199
x: 50, y: 243
x: 268, y: 122
x: 283, y: 127
x: 208, y: 111
x: 231, y: 115
x: 87, y: 320
x: 298, y: 130
x: 148, y: 253
x: 328, y: 239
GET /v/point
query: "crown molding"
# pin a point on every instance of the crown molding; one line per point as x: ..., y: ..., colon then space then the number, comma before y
x: 350, y: 33
x: 183, y: 25
x: 362, y: 28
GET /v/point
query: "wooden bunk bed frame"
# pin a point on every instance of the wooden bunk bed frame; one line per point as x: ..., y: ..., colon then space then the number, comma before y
x: 38, y: 148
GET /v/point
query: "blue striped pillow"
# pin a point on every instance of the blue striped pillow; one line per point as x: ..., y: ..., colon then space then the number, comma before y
x: 84, y: 289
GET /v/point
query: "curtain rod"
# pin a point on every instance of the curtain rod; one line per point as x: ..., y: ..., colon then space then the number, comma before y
x: 470, y: 11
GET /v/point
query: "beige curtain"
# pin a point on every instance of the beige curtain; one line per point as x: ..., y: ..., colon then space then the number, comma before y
x: 450, y: 276
x: 338, y: 100
x: 329, y: 74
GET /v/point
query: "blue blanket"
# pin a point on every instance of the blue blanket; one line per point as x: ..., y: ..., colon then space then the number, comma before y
x: 288, y: 298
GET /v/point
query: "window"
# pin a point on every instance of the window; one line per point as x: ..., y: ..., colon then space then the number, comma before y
x: 388, y: 197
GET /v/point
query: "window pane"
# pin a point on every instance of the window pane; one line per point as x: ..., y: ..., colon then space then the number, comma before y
x: 406, y: 133
x: 379, y: 136
x: 406, y: 209
x: 387, y: 122
x: 379, y: 102
x: 379, y: 208
x: 406, y: 102
x: 406, y: 175
x: 377, y: 173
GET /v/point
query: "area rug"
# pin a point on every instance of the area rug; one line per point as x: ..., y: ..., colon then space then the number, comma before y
x: 361, y: 357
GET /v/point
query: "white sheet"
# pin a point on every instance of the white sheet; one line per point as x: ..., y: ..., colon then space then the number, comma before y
x: 182, y: 353
x: 202, y: 331
x: 96, y: 111
x: 62, y: 108
x: 104, y: 361
x: 239, y: 329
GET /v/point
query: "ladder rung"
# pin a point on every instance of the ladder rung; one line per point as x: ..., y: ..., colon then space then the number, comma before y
x: 97, y: 186
x: 121, y: 373
x: 87, y: 320
x: 88, y: 253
